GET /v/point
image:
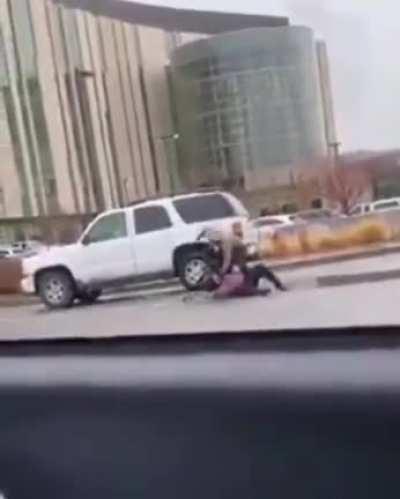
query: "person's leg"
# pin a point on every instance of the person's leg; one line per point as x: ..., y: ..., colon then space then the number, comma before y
x: 261, y: 271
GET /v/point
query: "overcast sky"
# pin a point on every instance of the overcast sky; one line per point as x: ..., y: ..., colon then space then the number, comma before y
x: 363, y: 41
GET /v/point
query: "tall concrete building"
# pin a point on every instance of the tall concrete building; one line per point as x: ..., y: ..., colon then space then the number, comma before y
x: 85, y: 106
x: 103, y: 103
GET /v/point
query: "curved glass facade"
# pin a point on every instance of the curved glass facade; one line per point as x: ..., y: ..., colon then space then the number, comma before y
x: 247, y: 102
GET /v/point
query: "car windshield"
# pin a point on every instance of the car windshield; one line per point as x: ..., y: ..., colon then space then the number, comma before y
x: 178, y: 167
x: 266, y: 223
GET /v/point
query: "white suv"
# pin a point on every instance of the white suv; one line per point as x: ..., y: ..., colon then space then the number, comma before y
x: 148, y: 239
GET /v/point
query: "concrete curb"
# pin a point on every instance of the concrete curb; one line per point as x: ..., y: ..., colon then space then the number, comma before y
x: 333, y: 258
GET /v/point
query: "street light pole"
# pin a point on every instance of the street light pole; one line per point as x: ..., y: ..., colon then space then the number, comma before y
x: 335, y: 147
x: 172, y: 160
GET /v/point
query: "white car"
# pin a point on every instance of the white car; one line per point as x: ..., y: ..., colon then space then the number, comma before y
x: 22, y: 249
x: 148, y: 239
x: 376, y: 207
x: 11, y: 251
x: 7, y: 252
x: 267, y: 226
x: 28, y: 248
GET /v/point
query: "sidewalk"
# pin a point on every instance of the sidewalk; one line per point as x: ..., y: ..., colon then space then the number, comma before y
x: 358, y: 265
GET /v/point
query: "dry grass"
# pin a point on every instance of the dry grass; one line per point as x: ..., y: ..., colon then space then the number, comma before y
x: 283, y: 245
x: 367, y: 232
x: 324, y: 239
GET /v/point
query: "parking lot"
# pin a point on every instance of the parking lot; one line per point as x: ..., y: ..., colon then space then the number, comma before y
x: 129, y: 314
x: 352, y: 298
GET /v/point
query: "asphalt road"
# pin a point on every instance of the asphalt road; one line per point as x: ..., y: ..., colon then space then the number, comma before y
x: 301, y: 307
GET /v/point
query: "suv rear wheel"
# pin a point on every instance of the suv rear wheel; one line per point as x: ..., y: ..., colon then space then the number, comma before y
x: 193, y: 270
x: 56, y: 289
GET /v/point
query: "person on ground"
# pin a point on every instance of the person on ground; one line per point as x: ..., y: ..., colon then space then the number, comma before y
x: 235, y: 260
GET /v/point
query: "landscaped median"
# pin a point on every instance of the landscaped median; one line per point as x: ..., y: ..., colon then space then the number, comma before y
x: 329, y: 237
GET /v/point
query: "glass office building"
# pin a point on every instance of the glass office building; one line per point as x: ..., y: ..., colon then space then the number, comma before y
x: 248, y: 104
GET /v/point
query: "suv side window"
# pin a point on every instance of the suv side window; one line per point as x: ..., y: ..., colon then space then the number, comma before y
x: 150, y: 219
x: 204, y: 208
x: 109, y: 227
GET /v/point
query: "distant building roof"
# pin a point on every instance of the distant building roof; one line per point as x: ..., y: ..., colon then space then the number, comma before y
x: 377, y: 162
x: 172, y: 19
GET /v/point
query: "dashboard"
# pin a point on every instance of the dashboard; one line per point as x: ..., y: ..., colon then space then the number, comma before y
x: 305, y: 415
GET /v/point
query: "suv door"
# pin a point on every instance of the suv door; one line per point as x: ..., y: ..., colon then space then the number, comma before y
x: 154, y: 239
x: 107, y: 250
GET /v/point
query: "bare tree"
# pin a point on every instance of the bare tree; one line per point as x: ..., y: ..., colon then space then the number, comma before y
x: 341, y: 185
x: 345, y: 186
x: 308, y: 188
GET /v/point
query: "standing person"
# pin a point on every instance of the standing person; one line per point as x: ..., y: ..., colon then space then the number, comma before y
x: 235, y: 260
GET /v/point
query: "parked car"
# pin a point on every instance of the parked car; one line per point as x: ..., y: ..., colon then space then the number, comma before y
x: 28, y: 248
x: 267, y: 226
x: 151, y: 238
x: 11, y: 251
x: 6, y: 252
x: 21, y: 249
x: 312, y: 215
x: 377, y: 206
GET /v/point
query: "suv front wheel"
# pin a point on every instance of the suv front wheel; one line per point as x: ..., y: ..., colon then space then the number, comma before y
x: 56, y: 289
x: 194, y: 268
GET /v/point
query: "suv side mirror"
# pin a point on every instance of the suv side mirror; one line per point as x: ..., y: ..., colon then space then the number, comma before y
x: 86, y: 240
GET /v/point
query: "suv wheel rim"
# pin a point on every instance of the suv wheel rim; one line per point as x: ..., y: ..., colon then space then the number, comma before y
x: 55, y: 291
x: 195, y: 270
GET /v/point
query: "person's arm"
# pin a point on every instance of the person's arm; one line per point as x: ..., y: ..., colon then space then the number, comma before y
x: 226, y: 245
